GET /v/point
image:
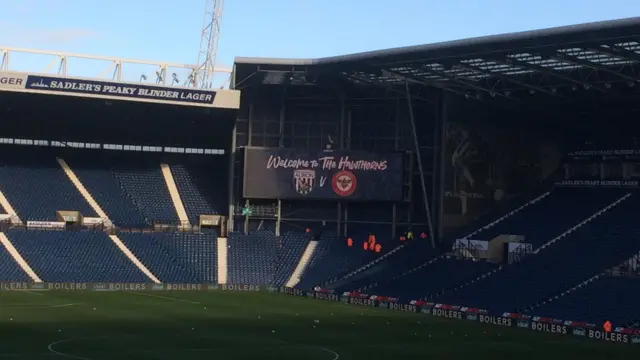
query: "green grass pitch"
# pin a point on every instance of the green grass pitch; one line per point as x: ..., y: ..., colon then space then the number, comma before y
x: 239, y: 325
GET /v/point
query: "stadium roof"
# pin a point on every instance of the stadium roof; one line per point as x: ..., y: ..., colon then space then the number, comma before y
x: 592, y: 56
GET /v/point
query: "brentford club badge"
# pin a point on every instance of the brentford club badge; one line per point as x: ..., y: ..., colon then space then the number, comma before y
x: 344, y: 183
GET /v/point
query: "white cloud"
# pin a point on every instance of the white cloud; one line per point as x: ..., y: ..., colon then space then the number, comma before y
x: 27, y: 37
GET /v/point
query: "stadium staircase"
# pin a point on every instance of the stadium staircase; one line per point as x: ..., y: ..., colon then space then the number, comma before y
x: 595, y: 244
x: 223, y: 255
x: 175, y: 196
x: 7, y: 267
x: 302, y: 264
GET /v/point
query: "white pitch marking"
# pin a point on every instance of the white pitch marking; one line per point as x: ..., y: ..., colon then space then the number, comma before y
x: 336, y: 356
x: 21, y: 306
x: 165, y: 297
x: 51, y: 349
x: 33, y: 292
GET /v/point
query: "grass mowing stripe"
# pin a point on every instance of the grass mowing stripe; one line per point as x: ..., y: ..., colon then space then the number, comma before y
x: 255, y: 325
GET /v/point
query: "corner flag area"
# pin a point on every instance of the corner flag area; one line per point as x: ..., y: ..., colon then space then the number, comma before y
x: 250, y: 325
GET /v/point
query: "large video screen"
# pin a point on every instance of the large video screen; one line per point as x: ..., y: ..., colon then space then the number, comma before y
x: 276, y: 173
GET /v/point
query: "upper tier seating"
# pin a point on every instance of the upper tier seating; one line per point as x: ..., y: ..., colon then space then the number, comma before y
x: 107, y: 192
x: 176, y: 257
x: 145, y: 185
x: 132, y: 191
x: 37, y: 187
x: 202, y: 190
x: 607, y: 298
x: 593, y: 248
x: 9, y: 268
x: 252, y: 258
x: 75, y: 256
x: 551, y: 216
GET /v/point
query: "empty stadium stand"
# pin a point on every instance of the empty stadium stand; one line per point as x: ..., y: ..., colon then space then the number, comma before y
x: 580, y: 254
x: 203, y: 191
x: 289, y: 251
x: 9, y: 269
x: 605, y: 298
x: 131, y: 190
x: 551, y: 215
x: 37, y: 187
x: 176, y: 257
x: 427, y: 281
x: 82, y: 256
x: 252, y: 258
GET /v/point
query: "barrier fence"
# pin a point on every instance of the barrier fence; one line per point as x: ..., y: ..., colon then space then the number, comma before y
x: 619, y: 335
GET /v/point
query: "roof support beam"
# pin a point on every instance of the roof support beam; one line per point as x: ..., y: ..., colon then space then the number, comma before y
x: 505, y: 78
x: 464, y: 82
x: 382, y: 86
x: 617, y: 52
x: 544, y: 70
x: 425, y: 82
x: 588, y: 64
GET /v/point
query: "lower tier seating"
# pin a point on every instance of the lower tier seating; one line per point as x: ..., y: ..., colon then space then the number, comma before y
x: 9, y: 268
x: 426, y: 282
x: 593, y: 248
x: 251, y: 258
x: 176, y: 257
x: 289, y: 252
x: 82, y: 256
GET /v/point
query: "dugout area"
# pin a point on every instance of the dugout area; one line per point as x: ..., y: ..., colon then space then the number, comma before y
x: 486, y: 120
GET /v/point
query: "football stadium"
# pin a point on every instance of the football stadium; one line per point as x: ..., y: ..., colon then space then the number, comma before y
x: 466, y: 199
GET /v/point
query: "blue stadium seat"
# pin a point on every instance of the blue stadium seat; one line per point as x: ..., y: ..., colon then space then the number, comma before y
x: 202, y: 189
x: 289, y: 252
x: 606, y: 298
x: 107, y: 192
x: 144, y: 184
x: 426, y: 282
x: 176, y: 257
x: 333, y: 258
x: 553, y: 215
x: 252, y: 258
x: 593, y: 248
x: 82, y: 256
x: 132, y: 191
x: 37, y: 187
x: 9, y: 268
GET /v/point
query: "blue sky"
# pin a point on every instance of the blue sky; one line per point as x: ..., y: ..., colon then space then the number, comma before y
x: 169, y: 30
